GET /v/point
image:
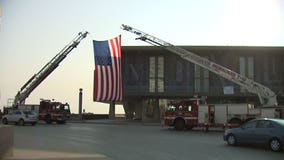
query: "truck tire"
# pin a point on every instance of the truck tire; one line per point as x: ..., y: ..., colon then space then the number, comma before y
x: 179, y: 124
x: 5, y: 121
x: 48, y: 119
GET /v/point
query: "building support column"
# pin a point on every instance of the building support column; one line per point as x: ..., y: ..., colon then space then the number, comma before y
x: 127, y: 109
x: 112, y: 110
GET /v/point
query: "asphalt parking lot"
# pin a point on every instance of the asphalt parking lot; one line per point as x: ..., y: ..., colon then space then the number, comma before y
x: 120, y: 141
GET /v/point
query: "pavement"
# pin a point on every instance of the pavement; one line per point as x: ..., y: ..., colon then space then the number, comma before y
x: 25, y: 154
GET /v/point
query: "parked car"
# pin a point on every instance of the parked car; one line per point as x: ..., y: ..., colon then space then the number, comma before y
x: 20, y: 117
x: 264, y: 131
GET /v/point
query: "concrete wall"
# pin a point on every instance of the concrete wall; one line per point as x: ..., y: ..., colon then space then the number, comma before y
x: 145, y: 109
x: 6, y: 141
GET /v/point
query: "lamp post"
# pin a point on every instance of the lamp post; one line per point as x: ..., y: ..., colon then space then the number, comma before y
x: 80, y: 102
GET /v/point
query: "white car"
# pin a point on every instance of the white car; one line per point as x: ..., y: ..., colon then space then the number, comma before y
x: 20, y: 117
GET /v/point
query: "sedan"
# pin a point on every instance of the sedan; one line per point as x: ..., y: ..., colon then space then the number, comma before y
x: 264, y: 131
x: 20, y: 117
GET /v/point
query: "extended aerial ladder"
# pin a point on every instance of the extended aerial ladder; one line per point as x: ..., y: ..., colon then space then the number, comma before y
x: 36, y: 79
x: 266, y: 96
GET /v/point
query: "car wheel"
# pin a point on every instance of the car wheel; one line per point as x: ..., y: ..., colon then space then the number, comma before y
x: 231, y: 140
x: 21, y: 122
x: 275, y: 145
x: 5, y: 121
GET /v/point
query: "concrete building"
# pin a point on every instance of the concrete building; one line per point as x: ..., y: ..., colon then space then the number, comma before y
x: 152, y: 75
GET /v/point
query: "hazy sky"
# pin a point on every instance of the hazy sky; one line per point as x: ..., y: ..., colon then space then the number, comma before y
x: 34, y: 31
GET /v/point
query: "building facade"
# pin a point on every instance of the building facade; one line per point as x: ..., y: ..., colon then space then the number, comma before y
x: 152, y: 75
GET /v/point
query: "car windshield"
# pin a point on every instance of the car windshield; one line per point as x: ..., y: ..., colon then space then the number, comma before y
x: 62, y: 107
x: 66, y: 107
x: 171, y: 108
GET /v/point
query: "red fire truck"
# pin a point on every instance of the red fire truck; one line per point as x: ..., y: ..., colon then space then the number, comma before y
x: 50, y: 111
x: 190, y: 113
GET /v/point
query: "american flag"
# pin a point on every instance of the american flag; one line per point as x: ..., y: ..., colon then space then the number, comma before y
x: 108, y: 76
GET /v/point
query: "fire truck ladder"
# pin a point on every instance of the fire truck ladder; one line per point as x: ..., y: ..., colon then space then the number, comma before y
x: 36, y: 79
x: 266, y: 96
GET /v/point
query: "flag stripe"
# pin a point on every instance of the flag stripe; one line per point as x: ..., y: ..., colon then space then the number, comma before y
x: 114, y: 70
x: 108, y: 80
x: 95, y: 83
x: 113, y: 47
x: 120, y: 69
x: 118, y: 61
x: 104, y: 77
x: 118, y: 72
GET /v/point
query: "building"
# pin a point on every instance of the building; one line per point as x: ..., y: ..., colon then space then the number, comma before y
x: 152, y: 75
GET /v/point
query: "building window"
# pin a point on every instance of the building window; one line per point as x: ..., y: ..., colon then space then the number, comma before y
x: 272, y: 69
x: 152, y: 69
x: 246, y: 69
x: 250, y: 68
x: 205, y: 80
x: 197, y: 78
x: 242, y: 66
x: 134, y: 72
x: 179, y: 68
x: 201, y: 79
x: 160, y: 74
x: 156, y: 74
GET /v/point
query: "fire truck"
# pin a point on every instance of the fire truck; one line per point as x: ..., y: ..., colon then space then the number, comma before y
x: 190, y: 113
x: 47, y: 110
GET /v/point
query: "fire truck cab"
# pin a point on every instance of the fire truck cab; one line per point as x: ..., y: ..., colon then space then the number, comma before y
x: 181, y: 114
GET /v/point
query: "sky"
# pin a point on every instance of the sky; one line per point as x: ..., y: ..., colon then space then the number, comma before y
x: 34, y: 31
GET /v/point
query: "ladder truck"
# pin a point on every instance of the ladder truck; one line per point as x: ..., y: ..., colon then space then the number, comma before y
x: 47, y: 110
x: 266, y: 96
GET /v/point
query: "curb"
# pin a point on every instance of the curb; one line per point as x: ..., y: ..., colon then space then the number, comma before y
x: 114, y: 122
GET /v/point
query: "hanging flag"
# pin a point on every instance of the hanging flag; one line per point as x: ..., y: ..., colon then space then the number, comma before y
x: 107, y: 74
